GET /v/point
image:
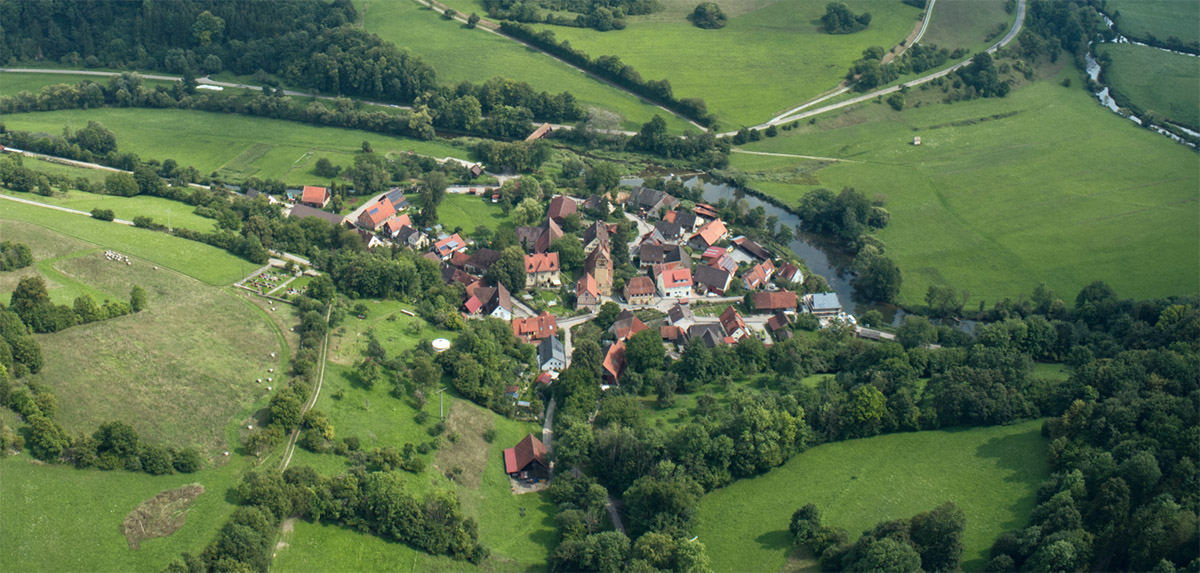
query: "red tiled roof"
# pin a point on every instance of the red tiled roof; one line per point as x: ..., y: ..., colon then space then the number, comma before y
x: 639, y: 286
x: 561, y: 206
x: 545, y: 378
x: 789, y: 271
x: 525, y: 452
x: 449, y: 245
x: 670, y: 332
x: 541, y: 263
x: 473, y: 305
x: 614, y: 361
x: 676, y: 278
x: 316, y: 195
x: 732, y: 321
x: 378, y: 211
x: 713, y: 253
x: 587, y: 285
x: 536, y: 328
x: 770, y: 301
x: 711, y: 232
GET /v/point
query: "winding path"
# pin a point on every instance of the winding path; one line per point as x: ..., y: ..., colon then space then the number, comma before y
x: 291, y: 447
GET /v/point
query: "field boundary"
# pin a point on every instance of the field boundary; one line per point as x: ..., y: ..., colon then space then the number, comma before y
x: 312, y: 401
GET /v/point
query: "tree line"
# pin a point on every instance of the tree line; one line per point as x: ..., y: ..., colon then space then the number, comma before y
x: 601, y: 15
x: 14, y: 256
x: 928, y: 541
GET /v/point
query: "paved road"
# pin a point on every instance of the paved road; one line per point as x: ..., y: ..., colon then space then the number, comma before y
x: 548, y: 427
x: 57, y: 208
x: 817, y: 157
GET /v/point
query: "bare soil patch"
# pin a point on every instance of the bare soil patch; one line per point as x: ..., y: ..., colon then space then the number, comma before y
x: 464, y: 459
x: 160, y: 515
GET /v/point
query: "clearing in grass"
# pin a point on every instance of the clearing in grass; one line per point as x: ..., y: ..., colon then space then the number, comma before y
x: 160, y: 515
x: 1156, y: 81
x: 235, y: 146
x: 760, y: 64
x: 991, y: 473
x: 1044, y: 185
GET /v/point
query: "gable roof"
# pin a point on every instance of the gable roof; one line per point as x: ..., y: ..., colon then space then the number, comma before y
x: 473, y: 304
x: 790, y: 272
x: 731, y: 321
x: 483, y: 259
x: 594, y: 257
x: 393, y: 226
x: 379, y: 211
x: 709, y: 333
x: 544, y: 378
x: 712, y: 277
x: 541, y: 263
x: 587, y: 285
x: 639, y: 286
x: 449, y: 245
x: 314, y: 194
x: 759, y: 274
x: 550, y: 349
x: 673, y: 278
x: 771, y: 301
x: 711, y: 232
x: 627, y: 325
x: 614, y: 361
x: 301, y: 211
x: 561, y: 207
x: 777, y: 321
x: 597, y: 230
x: 668, y: 229
x: 680, y: 313
x: 686, y: 220
x: 538, y: 327
x: 524, y: 453
x: 756, y: 250
x: 712, y: 253
x: 396, y: 196
x: 550, y: 233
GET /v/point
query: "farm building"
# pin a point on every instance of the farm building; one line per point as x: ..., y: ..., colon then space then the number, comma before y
x: 614, y: 364
x: 527, y: 460
x: 542, y: 131
x: 775, y: 301
x: 302, y: 211
x: 316, y: 197
x: 376, y: 214
x: 561, y: 207
x: 753, y: 249
x: 396, y: 196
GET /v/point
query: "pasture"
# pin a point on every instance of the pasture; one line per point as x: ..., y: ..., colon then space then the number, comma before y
x: 991, y: 473
x: 470, y: 211
x: 234, y: 146
x: 460, y: 54
x: 763, y: 62
x: 396, y: 331
x: 1160, y: 18
x: 971, y: 24
x: 1156, y: 81
x: 14, y: 83
x: 1044, y: 185
x: 182, y: 215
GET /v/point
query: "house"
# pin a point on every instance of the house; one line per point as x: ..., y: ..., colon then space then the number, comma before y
x: 675, y: 283
x: 652, y: 201
x: 542, y: 131
x: 396, y: 196
x: 599, y: 264
x: 709, y: 234
x: 453, y: 274
x: 587, y: 293
x: 512, y: 392
x: 370, y: 240
x: 481, y: 261
x: 777, y: 322
x: 527, y: 460
x: 639, y: 290
x: 476, y: 170
x: 374, y: 215
x: 823, y: 304
x: 681, y: 315
x: 394, y: 225
x: 670, y: 232
x: 710, y: 334
x: 650, y: 254
x: 445, y: 248
x: 541, y: 326
x: 735, y: 327
x: 561, y: 207
x: 542, y: 271
x: 626, y: 325
x: 724, y: 262
x: 614, y: 364
x: 758, y: 275
x: 594, y: 236
x: 411, y: 238
x: 545, y: 379
x: 751, y: 248
x: 688, y: 222
x: 551, y: 354
x: 538, y: 239
x: 790, y: 273
x: 672, y: 334
x: 705, y: 210
x: 711, y: 280
x: 493, y: 302
x: 459, y: 260
x: 316, y: 197
x: 778, y: 301
x: 713, y: 253
x: 302, y: 211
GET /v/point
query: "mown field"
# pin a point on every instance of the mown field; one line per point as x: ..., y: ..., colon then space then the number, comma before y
x: 1042, y: 186
x: 1154, y: 80
x: 763, y: 62
x: 1162, y: 18
x: 460, y: 54
x: 14, y: 83
x: 970, y: 24
x: 470, y: 211
x: 208, y: 264
x: 991, y: 473
x: 235, y: 146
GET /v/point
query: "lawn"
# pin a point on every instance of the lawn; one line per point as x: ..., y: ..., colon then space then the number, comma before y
x: 769, y: 59
x: 1154, y: 80
x: 990, y: 473
x: 182, y: 215
x: 396, y: 331
x: 197, y: 260
x: 1056, y: 190
x: 971, y: 24
x: 469, y: 211
x: 1160, y: 18
x: 460, y: 55
x: 14, y: 83
x: 235, y: 146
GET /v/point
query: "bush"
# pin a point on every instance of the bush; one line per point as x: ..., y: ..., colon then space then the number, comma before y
x: 489, y: 435
x: 156, y: 460
x: 187, y: 461
x: 708, y: 15
x: 102, y: 214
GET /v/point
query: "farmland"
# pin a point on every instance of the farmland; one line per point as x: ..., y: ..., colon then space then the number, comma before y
x: 1161, y: 18
x: 1156, y: 81
x: 727, y: 67
x: 235, y: 146
x: 460, y: 55
x: 14, y: 83
x: 991, y: 473
x: 1042, y: 186
x: 970, y: 24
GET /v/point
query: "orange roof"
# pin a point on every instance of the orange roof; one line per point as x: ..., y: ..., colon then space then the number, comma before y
x: 781, y: 300
x: 379, y: 211
x: 639, y: 286
x: 587, y: 284
x: 732, y: 321
x: 711, y: 232
x: 677, y: 277
x: 314, y: 194
x: 669, y: 216
x: 614, y: 361
x: 524, y: 453
x: 450, y: 245
x: 541, y: 326
x: 541, y: 263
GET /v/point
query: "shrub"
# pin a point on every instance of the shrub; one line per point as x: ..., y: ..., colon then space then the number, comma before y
x: 102, y: 214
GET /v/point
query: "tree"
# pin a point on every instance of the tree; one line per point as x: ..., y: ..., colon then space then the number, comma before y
x: 47, y: 439
x: 29, y: 295
x: 207, y: 28
x: 449, y: 14
x: 95, y: 138
x: 603, y: 176
x: 472, y: 20
x: 708, y: 15
x: 937, y: 537
x: 86, y: 309
x: 528, y: 212
x: 509, y: 269
x: 117, y: 438
x: 607, y: 315
x: 665, y: 501
x: 137, y: 298
x: 570, y: 252
x: 435, y: 184
x: 943, y: 300
x: 326, y: 168
x: 879, y: 281
x: 838, y: 19
x: 121, y: 185
x: 888, y: 555
x: 366, y: 147
x: 916, y: 332
x: 644, y: 351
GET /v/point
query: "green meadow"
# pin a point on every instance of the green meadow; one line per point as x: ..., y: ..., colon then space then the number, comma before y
x: 971, y: 24
x: 470, y: 211
x: 769, y: 59
x: 234, y: 146
x: 1042, y: 186
x: 13, y: 83
x: 991, y: 473
x: 1154, y: 80
x: 1160, y: 18
x: 459, y: 54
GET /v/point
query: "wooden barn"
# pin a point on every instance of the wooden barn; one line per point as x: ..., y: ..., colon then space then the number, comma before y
x: 527, y: 460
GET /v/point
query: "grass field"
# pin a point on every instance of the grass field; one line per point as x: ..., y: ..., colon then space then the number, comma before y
x: 970, y: 24
x: 235, y: 146
x: 1061, y: 191
x: 991, y: 473
x: 1154, y: 80
x: 460, y: 55
x: 197, y: 260
x: 182, y: 214
x: 14, y: 83
x: 762, y: 63
x: 470, y: 211
x: 1162, y: 18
